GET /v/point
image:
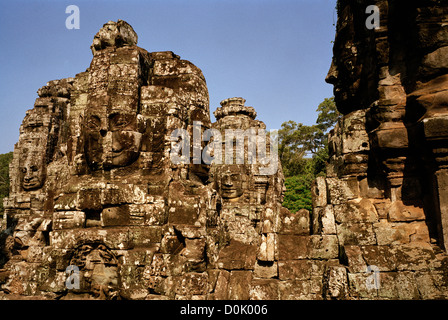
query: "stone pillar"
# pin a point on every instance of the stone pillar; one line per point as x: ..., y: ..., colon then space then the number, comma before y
x: 436, y: 133
x: 442, y: 195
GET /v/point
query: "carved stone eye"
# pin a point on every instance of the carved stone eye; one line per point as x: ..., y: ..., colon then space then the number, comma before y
x: 119, y: 121
x: 349, y: 64
x: 24, y: 170
x: 34, y: 168
x: 94, y: 123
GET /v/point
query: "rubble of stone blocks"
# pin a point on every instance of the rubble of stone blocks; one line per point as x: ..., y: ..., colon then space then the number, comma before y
x: 98, y: 209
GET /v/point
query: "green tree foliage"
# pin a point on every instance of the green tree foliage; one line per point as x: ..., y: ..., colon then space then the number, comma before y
x: 303, y: 152
x: 298, y: 192
x: 5, y: 159
x: 328, y: 115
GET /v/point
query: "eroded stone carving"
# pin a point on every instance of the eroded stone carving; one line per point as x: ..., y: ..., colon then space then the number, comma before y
x: 98, y: 271
x: 33, y: 171
x: 114, y: 34
x: 111, y: 139
x: 231, y: 181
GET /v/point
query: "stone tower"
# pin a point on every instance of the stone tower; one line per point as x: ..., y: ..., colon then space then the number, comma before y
x: 386, y: 178
x: 96, y: 195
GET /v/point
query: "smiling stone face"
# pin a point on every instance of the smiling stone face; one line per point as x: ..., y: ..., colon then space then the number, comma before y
x: 33, y: 172
x: 111, y: 139
x: 231, y: 182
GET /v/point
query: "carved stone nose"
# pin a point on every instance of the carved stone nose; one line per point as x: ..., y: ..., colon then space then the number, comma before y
x: 227, y: 181
x: 332, y: 74
x: 103, y: 132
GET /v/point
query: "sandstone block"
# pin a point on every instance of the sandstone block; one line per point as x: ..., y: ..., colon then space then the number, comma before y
x: 89, y: 199
x: 406, y: 285
x: 356, y: 262
x: 194, y: 250
x: 268, y: 247
x: 292, y: 247
x: 383, y: 257
x: 323, y: 247
x: 412, y: 257
x: 327, y: 220
x: 237, y: 256
x: 193, y: 284
x: 114, y: 34
x: 145, y: 236
x: 387, y: 286
x: 354, y: 135
x: 115, y: 216
x: 222, y: 285
x: 239, y: 285
x: 401, y: 233
x: 431, y: 286
x: 69, y: 239
x: 294, y: 290
x: 315, y: 220
x: 295, y: 269
x: 266, y: 270
x: 358, y: 210
x: 68, y: 219
x: 391, y: 137
x: 358, y: 284
x: 295, y: 223
x: 336, y: 283
x: 319, y: 192
x: 398, y: 211
x: 340, y: 191
x: 435, y: 60
x: 263, y: 290
x: 356, y: 233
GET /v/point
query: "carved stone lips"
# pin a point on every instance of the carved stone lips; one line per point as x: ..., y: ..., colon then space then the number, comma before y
x: 117, y: 153
x: 31, y: 183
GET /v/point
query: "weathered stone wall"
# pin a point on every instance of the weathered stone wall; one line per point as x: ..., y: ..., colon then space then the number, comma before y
x: 384, y: 193
x: 94, y: 187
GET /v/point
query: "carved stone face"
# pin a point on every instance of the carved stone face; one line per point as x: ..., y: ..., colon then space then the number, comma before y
x: 99, y: 270
x: 114, y: 34
x: 33, y: 172
x: 231, y: 182
x: 352, y: 68
x: 111, y: 140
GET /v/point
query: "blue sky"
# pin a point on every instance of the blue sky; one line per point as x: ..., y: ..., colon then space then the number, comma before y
x: 273, y: 53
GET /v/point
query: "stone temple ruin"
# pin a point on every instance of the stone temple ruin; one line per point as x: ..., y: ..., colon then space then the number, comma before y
x: 97, y: 209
